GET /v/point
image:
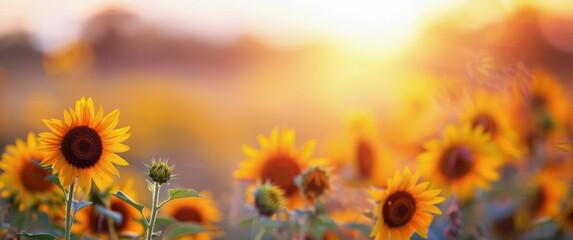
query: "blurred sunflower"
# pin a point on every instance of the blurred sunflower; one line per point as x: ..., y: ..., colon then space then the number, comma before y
x: 24, y: 179
x: 494, y: 121
x: 405, y: 207
x: 544, y: 111
x: 565, y: 219
x: 464, y: 159
x: 84, y: 145
x: 370, y: 160
x: 202, y: 211
x: 89, y: 220
x: 544, y: 201
x: 316, y: 180
x: 278, y: 161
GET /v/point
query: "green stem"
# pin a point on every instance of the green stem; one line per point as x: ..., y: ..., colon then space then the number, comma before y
x: 260, y: 234
x: 304, y: 218
x: 154, y: 207
x: 69, y: 201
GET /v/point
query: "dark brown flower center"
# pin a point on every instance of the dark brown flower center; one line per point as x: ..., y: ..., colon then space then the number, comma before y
x: 538, y: 102
x: 505, y: 227
x: 456, y: 162
x: 364, y: 158
x: 570, y: 217
x: 281, y: 171
x: 98, y: 222
x: 315, y: 184
x: 486, y: 122
x: 188, y: 214
x: 82, y: 147
x: 398, y: 209
x: 33, y: 177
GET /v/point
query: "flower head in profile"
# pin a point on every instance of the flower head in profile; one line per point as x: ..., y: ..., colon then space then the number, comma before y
x: 24, y: 179
x: 406, y: 206
x: 278, y: 162
x: 543, y: 201
x: 315, y: 182
x: 465, y: 159
x: 84, y: 146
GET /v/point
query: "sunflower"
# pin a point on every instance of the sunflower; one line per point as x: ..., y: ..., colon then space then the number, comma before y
x: 370, y: 160
x: 464, y: 159
x: 202, y: 211
x: 89, y: 221
x: 405, y: 207
x: 279, y: 162
x: 543, y: 111
x: 565, y: 219
x: 24, y: 179
x: 84, y: 146
x: 544, y: 201
x: 494, y: 121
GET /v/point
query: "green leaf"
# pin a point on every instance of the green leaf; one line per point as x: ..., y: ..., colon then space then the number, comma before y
x: 115, y: 216
x: 187, y: 229
x: 77, y: 206
x: 129, y: 201
x: 180, y: 193
x: 326, y: 220
x: 55, y: 180
x: 164, y: 221
x: 37, y: 236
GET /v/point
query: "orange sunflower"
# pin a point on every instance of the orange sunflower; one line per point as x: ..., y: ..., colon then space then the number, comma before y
x: 23, y: 178
x: 464, y: 159
x: 89, y: 220
x: 406, y: 206
x: 544, y: 201
x: 84, y: 146
x: 278, y: 162
x: 494, y: 121
x: 202, y: 211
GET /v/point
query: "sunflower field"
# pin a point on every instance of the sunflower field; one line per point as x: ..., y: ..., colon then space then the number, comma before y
x: 302, y: 120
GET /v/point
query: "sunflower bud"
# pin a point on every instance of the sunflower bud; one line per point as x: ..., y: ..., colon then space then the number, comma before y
x: 315, y: 182
x: 160, y: 171
x: 268, y: 199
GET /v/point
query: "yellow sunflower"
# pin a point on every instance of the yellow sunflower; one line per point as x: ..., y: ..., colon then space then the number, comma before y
x: 23, y: 178
x: 494, y: 121
x: 278, y: 161
x: 545, y: 200
x: 405, y: 207
x: 89, y: 221
x: 464, y: 159
x: 565, y: 219
x: 370, y: 160
x: 544, y: 110
x: 84, y: 146
x: 202, y: 211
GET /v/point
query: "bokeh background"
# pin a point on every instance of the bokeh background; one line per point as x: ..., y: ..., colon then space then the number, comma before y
x: 196, y: 80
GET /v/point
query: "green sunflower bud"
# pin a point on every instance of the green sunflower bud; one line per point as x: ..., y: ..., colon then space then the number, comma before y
x: 268, y: 199
x: 160, y: 171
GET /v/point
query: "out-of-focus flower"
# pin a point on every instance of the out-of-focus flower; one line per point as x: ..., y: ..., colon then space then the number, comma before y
x: 371, y: 161
x: 315, y: 182
x: 91, y: 222
x: 464, y: 159
x: 202, y: 211
x: 74, y: 59
x: 506, y: 227
x: 405, y: 207
x: 543, y: 113
x: 494, y: 121
x: 84, y: 146
x: 454, y: 229
x: 278, y: 162
x: 565, y: 219
x: 544, y: 202
x: 24, y: 179
x: 268, y: 199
